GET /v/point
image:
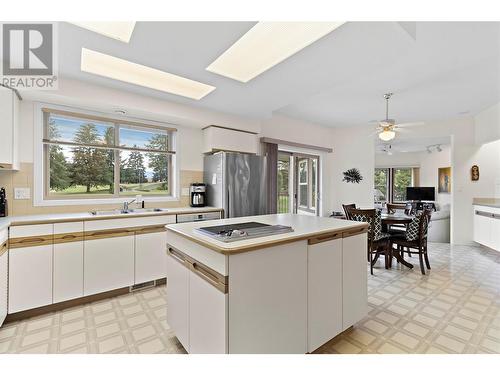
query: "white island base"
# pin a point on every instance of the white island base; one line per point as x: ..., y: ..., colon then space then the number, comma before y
x: 287, y: 293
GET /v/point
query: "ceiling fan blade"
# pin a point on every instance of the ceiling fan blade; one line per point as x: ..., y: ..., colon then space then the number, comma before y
x: 410, y: 124
x: 403, y: 130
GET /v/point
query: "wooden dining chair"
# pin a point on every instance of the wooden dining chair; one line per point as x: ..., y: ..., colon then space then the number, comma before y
x: 414, y: 240
x: 346, y: 208
x: 394, y: 208
x: 378, y: 242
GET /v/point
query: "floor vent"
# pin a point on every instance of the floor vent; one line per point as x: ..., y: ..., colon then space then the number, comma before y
x: 142, y: 286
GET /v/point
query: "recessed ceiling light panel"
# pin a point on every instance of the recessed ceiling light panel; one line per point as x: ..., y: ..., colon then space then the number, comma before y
x: 126, y: 71
x: 114, y: 29
x: 266, y: 45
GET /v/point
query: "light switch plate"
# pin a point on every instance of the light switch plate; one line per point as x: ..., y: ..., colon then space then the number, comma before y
x: 185, y: 192
x: 22, y: 193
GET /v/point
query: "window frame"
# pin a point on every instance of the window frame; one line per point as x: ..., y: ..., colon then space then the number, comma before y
x: 42, y: 197
x: 390, y: 183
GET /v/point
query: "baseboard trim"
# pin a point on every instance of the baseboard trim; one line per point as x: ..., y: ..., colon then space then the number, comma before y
x: 26, y: 314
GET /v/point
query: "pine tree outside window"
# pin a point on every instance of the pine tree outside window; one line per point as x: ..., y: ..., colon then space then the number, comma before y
x: 94, y: 157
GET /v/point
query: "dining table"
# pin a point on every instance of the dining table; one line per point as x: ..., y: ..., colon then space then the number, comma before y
x: 396, y: 218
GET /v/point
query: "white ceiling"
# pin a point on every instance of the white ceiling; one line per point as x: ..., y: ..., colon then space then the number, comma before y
x: 339, y: 80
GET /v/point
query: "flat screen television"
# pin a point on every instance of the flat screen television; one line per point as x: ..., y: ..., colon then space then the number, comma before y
x: 420, y: 193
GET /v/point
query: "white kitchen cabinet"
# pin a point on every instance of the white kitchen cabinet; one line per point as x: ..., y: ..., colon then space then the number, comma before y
x: 68, y: 261
x: 150, y: 258
x: 495, y: 232
x: 30, y: 267
x: 150, y: 246
x: 268, y: 300
x: 178, y: 296
x: 108, y: 263
x: 4, y: 256
x: 354, y: 279
x: 9, y: 113
x: 207, y: 317
x: 487, y: 226
x: 324, y: 287
x: 217, y: 138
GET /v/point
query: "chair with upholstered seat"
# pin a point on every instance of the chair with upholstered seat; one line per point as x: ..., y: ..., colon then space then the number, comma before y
x: 378, y: 242
x: 415, y: 239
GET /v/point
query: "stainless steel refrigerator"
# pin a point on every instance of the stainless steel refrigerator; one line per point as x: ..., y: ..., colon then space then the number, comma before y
x: 236, y: 182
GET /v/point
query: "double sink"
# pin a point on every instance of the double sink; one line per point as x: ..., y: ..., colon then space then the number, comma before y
x: 129, y: 211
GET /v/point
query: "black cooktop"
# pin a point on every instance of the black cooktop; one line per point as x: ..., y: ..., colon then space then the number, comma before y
x: 221, y: 229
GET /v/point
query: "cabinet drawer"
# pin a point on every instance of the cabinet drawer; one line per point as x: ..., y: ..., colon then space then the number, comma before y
x: 31, y: 230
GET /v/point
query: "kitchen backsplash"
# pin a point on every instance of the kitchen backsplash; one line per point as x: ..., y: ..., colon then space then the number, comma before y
x: 24, y: 179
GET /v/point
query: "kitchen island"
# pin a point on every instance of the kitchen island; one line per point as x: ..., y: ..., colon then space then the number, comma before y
x: 284, y: 293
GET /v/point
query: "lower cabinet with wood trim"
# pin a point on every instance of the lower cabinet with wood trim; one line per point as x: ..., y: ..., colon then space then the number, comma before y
x: 324, y: 290
x: 30, y: 267
x: 286, y: 298
x: 150, y: 258
x: 68, y: 261
x: 197, y: 304
x: 354, y: 280
x: 108, y: 264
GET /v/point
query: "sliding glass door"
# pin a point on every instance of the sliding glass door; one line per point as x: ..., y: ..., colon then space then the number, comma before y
x: 285, y: 183
x: 298, y: 187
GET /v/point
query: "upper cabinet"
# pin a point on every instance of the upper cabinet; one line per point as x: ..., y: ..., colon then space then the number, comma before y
x: 9, y: 119
x: 219, y: 138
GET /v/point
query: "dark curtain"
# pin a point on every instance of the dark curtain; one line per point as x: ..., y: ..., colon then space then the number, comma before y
x: 270, y: 150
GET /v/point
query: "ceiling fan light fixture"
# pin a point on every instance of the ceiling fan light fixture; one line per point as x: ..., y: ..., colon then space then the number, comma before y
x: 387, y: 135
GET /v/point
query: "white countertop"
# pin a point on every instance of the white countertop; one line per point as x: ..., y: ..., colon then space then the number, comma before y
x: 304, y: 227
x: 86, y: 216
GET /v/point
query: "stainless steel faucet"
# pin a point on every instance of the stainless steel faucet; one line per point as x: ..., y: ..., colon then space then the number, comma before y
x: 125, y: 204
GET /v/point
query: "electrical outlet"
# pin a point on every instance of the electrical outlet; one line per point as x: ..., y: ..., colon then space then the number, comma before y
x: 185, y: 192
x: 22, y: 193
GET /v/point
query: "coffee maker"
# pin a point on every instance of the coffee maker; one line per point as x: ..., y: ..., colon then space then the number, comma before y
x: 197, y: 193
x: 3, y: 203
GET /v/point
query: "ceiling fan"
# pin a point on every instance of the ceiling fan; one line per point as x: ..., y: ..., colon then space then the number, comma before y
x: 387, y: 128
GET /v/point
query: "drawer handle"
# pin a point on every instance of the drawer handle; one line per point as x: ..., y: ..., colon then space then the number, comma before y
x: 204, y: 272
x: 68, y: 237
x: 176, y: 255
x: 110, y: 232
x: 323, y: 238
x: 32, y: 240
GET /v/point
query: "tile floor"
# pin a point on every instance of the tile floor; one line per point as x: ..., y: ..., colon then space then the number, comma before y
x: 453, y: 309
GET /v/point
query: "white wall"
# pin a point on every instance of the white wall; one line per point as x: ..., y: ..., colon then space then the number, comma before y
x: 429, y: 164
x: 487, y: 125
x: 353, y: 148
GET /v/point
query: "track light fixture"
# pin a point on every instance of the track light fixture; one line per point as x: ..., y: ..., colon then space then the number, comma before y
x: 436, y: 147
